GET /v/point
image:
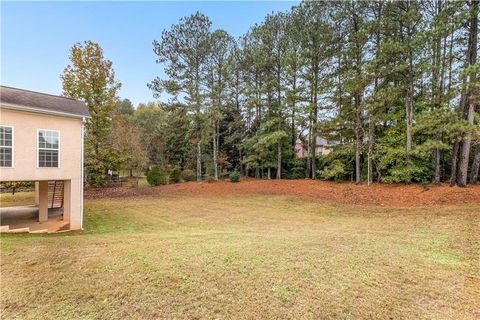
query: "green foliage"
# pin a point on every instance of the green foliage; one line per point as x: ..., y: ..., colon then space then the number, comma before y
x: 175, y: 175
x: 126, y: 141
x: 90, y: 77
x: 125, y: 107
x: 188, y: 175
x: 184, y: 51
x: 234, y: 176
x: 294, y: 168
x: 157, y: 176
x: 20, y: 185
x: 389, y: 82
x: 335, y: 170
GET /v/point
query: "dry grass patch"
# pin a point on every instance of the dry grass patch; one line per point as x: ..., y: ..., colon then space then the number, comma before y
x: 249, y: 256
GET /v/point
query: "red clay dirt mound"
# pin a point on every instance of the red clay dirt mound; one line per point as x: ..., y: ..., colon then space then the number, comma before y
x: 345, y: 193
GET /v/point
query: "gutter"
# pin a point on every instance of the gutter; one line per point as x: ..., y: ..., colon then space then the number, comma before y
x: 81, y: 173
x: 43, y: 111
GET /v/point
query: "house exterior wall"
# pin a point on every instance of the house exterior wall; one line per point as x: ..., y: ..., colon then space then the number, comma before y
x: 321, y: 150
x: 301, y: 151
x: 25, y: 154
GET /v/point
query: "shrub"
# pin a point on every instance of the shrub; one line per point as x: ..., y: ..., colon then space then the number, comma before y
x: 157, y: 176
x: 175, y: 175
x: 335, y: 170
x: 188, y: 175
x: 294, y: 168
x: 235, y: 176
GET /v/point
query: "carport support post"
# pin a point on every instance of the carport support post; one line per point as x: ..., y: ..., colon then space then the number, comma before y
x: 37, y: 193
x: 43, y: 201
x: 67, y: 201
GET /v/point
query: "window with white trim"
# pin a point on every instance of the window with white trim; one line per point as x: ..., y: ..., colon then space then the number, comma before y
x: 6, y: 146
x: 48, y: 148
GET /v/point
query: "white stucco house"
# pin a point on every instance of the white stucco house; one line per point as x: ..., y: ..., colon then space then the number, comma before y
x: 41, y: 140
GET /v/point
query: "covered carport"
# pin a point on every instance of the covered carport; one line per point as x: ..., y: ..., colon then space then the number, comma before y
x: 47, y: 212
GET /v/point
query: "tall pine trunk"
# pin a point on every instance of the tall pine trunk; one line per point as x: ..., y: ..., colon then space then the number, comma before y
x: 199, y: 155
x: 409, y: 113
x: 215, y: 151
x: 472, y: 59
x: 475, y: 166
x: 437, y: 81
x: 454, y: 167
x: 279, y: 160
x: 437, y: 172
x: 313, y: 141
x: 309, y: 138
x: 358, y: 138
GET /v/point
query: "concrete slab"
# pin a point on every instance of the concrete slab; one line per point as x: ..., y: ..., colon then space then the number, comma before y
x: 27, y: 217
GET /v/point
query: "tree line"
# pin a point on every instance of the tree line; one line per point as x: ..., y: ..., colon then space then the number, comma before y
x: 392, y: 84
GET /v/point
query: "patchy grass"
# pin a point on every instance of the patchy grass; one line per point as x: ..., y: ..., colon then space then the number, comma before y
x: 18, y: 199
x: 249, y: 256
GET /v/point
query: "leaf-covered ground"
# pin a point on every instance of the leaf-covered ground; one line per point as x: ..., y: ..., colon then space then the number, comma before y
x: 203, y: 255
x: 398, y: 195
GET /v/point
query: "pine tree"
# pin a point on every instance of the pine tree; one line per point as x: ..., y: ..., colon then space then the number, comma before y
x: 184, y: 51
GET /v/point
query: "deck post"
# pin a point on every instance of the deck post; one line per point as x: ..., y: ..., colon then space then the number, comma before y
x: 43, y: 201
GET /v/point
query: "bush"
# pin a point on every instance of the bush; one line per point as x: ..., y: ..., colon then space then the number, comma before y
x: 157, y: 176
x: 294, y: 168
x: 235, y: 176
x: 188, y: 175
x: 335, y: 170
x: 175, y: 175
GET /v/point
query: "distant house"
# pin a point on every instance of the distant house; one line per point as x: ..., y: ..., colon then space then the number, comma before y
x: 41, y: 141
x: 322, y: 147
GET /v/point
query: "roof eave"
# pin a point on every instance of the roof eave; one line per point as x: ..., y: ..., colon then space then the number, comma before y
x: 43, y: 111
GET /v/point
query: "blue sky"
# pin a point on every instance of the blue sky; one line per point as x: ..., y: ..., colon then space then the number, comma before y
x: 36, y: 37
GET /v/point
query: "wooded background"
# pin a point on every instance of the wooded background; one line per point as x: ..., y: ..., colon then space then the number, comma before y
x: 394, y: 84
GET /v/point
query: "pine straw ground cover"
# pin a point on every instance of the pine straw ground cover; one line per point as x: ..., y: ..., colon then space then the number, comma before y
x: 181, y: 253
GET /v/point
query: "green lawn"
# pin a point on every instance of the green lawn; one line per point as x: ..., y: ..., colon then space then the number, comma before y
x: 17, y: 199
x: 247, y: 257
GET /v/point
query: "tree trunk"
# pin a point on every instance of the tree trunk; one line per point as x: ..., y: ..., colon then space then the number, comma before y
x: 371, y: 137
x: 409, y: 116
x: 279, y: 160
x: 437, y: 87
x: 215, y: 152
x: 314, y: 128
x: 472, y: 59
x: 454, y: 168
x: 199, y: 156
x: 475, y: 166
x: 309, y: 143
x: 294, y: 138
x: 436, y: 176
x: 408, y: 119
x: 240, y: 163
x: 358, y: 139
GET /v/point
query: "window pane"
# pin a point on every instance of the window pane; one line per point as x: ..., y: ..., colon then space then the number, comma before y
x: 47, y: 158
x: 41, y: 139
x: 48, y: 139
x: 55, y: 140
x: 5, y: 157
x: 6, y: 136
